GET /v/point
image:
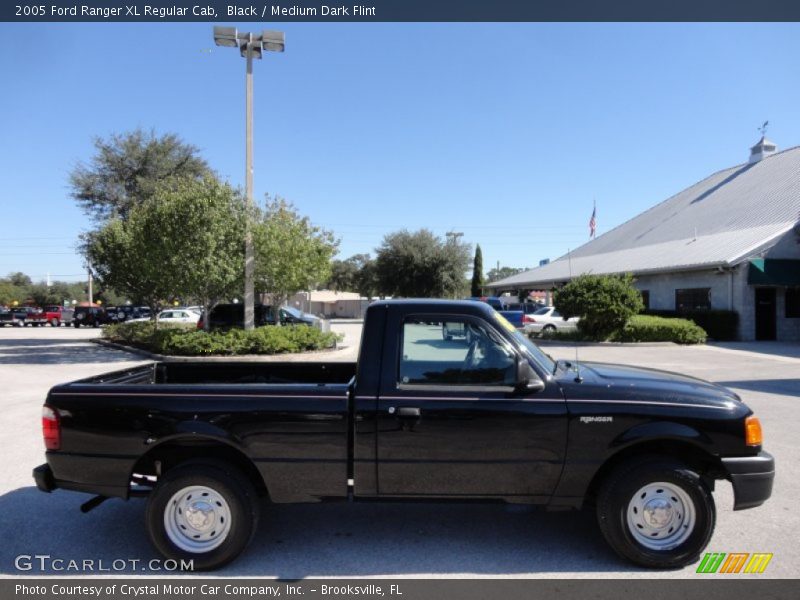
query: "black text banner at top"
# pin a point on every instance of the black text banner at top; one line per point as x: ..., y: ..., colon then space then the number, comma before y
x: 402, y: 11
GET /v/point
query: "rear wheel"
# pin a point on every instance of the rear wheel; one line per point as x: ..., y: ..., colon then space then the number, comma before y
x: 656, y: 512
x: 548, y: 330
x: 55, y: 323
x: 204, y: 512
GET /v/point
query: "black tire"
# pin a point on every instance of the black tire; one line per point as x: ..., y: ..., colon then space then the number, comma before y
x: 76, y: 325
x: 222, y: 478
x: 627, y: 485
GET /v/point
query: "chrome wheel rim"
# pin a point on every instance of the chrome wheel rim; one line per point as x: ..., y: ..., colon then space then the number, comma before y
x: 197, y: 519
x: 661, y: 516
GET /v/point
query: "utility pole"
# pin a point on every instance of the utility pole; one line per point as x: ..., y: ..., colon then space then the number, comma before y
x: 90, y: 286
x: 452, y: 236
x: 250, y: 46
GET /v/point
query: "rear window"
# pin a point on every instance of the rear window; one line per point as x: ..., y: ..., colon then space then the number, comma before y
x: 542, y: 311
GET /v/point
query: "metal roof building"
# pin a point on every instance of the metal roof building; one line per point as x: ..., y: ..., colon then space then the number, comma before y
x: 730, y: 241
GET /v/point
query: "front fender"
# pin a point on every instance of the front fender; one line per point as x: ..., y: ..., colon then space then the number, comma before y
x: 658, y: 431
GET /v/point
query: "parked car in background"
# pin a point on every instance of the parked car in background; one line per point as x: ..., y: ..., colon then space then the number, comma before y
x: 120, y: 314
x: 90, y: 316
x: 548, y: 320
x: 8, y: 316
x: 527, y: 308
x: 225, y: 316
x: 56, y: 315
x: 515, y: 317
x: 172, y: 315
x: 33, y: 315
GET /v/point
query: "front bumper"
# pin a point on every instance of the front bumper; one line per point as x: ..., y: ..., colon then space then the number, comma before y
x: 752, y: 478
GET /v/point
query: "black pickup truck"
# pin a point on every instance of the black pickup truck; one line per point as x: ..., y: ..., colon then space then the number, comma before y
x: 485, y: 415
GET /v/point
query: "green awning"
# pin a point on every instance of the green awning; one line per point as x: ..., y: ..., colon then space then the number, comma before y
x: 773, y: 271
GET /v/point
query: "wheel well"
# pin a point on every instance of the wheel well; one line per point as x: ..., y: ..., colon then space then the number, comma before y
x: 706, y: 465
x: 170, y: 454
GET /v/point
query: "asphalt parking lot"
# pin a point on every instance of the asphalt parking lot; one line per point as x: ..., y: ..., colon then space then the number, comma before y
x: 386, y: 540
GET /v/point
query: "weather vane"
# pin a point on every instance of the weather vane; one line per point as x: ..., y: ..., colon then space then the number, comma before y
x: 763, y: 129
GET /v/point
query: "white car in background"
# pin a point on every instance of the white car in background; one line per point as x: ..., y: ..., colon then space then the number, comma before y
x: 174, y: 315
x: 547, y: 320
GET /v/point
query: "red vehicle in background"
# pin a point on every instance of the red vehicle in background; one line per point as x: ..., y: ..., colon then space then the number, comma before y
x: 33, y: 316
x: 56, y: 315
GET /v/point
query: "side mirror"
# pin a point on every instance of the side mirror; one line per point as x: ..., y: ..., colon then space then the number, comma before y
x: 528, y: 380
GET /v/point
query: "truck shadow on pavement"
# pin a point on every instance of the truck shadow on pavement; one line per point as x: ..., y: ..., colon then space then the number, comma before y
x: 57, y: 351
x: 323, y: 540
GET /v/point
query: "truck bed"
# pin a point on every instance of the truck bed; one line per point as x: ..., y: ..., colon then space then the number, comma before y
x: 195, y: 373
x: 289, y: 419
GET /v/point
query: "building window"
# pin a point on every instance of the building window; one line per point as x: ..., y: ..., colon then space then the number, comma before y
x: 793, y: 302
x: 693, y: 299
x: 646, y: 299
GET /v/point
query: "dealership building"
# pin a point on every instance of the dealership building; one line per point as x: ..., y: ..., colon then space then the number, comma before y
x: 730, y: 241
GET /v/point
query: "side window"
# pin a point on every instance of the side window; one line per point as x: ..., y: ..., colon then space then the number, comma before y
x: 453, y: 351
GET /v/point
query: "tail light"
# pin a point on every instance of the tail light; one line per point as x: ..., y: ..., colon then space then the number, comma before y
x: 528, y: 319
x: 752, y: 431
x: 51, y: 428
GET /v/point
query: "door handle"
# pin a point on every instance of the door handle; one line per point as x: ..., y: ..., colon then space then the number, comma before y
x: 408, y: 411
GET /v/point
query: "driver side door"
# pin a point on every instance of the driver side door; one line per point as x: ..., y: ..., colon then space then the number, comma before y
x: 451, y: 422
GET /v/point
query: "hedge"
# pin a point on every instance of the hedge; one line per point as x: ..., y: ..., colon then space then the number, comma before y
x: 721, y: 325
x: 647, y: 328
x: 183, y: 340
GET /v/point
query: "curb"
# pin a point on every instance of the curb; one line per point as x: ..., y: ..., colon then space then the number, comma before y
x: 539, y: 342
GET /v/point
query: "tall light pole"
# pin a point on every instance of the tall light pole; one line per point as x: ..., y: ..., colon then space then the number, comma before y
x: 251, y: 46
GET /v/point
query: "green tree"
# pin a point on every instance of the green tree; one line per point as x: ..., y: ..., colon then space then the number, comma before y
x: 421, y: 265
x: 604, y: 303
x: 291, y: 253
x: 496, y: 274
x: 10, y: 293
x: 344, y: 276
x: 186, y: 240
x: 127, y: 169
x: 354, y: 274
x: 477, y: 284
x: 19, y: 279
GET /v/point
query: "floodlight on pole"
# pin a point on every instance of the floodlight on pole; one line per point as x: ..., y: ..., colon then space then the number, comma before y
x: 250, y: 46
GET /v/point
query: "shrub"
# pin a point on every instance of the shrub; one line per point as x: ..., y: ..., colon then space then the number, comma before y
x: 604, y: 303
x: 721, y: 325
x: 647, y: 328
x: 183, y: 340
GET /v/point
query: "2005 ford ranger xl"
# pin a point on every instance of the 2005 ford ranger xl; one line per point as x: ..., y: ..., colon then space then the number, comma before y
x: 480, y: 414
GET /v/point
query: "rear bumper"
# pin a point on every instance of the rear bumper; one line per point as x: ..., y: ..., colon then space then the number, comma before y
x: 47, y: 482
x: 43, y: 476
x: 752, y: 478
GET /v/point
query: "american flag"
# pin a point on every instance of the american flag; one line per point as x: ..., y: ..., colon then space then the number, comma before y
x: 593, y: 222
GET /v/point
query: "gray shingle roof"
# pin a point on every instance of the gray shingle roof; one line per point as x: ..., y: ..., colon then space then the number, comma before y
x: 721, y: 220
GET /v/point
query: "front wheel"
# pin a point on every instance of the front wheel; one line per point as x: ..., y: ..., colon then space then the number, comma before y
x: 206, y: 513
x: 657, y: 513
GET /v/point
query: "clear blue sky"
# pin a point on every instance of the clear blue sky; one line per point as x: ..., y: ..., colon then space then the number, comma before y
x: 505, y: 132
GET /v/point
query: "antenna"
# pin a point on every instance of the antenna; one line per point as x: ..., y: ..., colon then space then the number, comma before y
x: 578, y: 377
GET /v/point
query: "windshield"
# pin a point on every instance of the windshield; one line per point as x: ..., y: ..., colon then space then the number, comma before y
x: 542, y: 359
x: 293, y: 311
